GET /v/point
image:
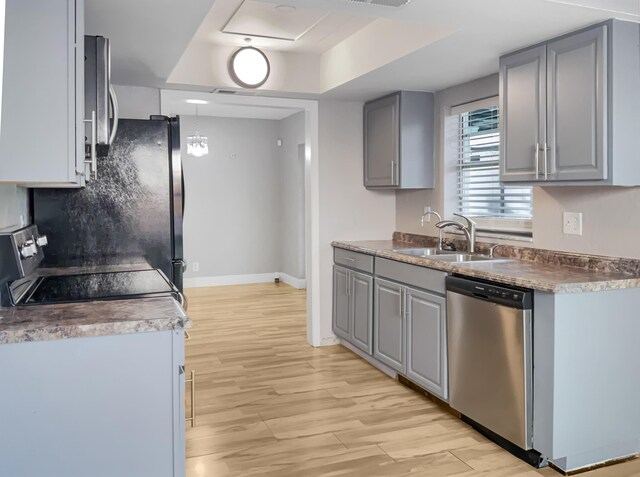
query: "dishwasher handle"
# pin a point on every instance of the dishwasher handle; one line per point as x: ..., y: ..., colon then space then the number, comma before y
x: 512, y: 297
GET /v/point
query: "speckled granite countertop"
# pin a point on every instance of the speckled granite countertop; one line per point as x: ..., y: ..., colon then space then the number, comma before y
x: 537, y: 275
x: 93, y: 318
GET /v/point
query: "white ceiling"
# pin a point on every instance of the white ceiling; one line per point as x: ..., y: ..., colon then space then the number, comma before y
x: 147, y: 37
x: 150, y: 36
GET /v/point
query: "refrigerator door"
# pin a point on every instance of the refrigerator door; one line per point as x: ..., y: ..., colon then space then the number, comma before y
x: 127, y: 215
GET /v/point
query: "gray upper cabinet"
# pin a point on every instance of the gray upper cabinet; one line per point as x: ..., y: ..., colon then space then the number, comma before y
x: 577, y: 106
x: 570, y: 108
x: 426, y: 341
x: 42, y: 132
x: 523, y: 101
x: 390, y: 330
x: 398, y: 141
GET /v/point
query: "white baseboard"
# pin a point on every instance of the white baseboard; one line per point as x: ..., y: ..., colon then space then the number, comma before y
x: 299, y: 283
x: 198, y: 282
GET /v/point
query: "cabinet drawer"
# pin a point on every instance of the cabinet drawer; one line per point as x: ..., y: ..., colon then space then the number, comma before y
x: 359, y: 261
x: 420, y: 277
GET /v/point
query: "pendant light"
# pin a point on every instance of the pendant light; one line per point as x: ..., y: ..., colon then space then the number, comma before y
x: 197, y: 145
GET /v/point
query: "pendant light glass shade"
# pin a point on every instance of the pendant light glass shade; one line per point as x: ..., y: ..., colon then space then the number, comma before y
x: 197, y: 145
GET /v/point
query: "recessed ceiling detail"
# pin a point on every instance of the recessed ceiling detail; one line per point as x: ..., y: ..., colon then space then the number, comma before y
x: 269, y: 20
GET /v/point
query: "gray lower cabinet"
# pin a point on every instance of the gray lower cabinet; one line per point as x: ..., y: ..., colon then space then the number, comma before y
x: 100, y: 406
x: 341, y: 308
x: 353, y: 307
x: 42, y: 132
x: 568, y: 108
x: 426, y: 340
x: 390, y: 325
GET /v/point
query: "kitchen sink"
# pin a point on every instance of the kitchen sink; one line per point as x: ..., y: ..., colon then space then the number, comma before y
x: 468, y: 257
x: 422, y: 252
x: 447, y: 255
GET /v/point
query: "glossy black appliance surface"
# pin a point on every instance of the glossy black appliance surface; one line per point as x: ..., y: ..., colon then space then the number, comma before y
x: 132, y: 212
x: 98, y: 286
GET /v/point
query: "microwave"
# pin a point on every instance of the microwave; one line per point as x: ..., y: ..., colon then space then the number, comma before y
x: 100, y: 102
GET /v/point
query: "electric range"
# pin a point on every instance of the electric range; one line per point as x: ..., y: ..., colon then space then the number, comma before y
x: 22, y: 282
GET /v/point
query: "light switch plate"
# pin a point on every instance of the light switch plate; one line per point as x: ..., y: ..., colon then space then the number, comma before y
x: 572, y: 223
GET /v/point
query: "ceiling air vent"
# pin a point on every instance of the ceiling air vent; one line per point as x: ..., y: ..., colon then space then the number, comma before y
x: 384, y: 3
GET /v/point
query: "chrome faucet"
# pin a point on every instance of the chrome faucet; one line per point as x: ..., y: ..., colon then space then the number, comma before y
x: 439, y: 217
x: 469, y: 230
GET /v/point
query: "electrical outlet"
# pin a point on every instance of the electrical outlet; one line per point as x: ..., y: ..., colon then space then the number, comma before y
x: 572, y: 223
x: 196, y: 266
x: 428, y: 217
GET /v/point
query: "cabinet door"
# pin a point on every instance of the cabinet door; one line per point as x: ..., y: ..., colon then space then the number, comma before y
x: 362, y: 311
x: 341, y: 321
x: 382, y: 142
x: 38, y: 142
x: 389, y: 328
x: 577, y: 106
x: 522, y: 114
x: 426, y: 341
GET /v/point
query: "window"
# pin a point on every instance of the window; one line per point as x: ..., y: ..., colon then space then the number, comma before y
x: 478, y: 191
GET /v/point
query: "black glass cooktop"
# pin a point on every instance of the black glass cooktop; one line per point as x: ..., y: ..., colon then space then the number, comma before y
x: 98, y: 286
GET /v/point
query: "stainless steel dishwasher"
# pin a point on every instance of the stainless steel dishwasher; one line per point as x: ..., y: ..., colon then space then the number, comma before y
x: 490, y: 358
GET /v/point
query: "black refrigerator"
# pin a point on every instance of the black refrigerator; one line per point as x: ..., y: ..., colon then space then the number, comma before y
x: 132, y: 213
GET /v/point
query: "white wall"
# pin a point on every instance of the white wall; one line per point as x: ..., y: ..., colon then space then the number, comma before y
x: 611, y: 215
x: 292, y: 200
x: 137, y: 102
x: 231, y: 223
x: 348, y: 211
x: 14, y: 206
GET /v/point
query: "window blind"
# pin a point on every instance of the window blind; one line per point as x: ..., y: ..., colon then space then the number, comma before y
x: 478, y: 170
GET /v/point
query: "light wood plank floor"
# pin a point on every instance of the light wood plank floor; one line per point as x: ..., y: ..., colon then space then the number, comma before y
x: 269, y: 404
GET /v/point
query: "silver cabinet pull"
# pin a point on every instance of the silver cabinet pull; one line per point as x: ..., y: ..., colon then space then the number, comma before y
x: 546, y: 162
x: 346, y: 283
x: 393, y: 173
x: 537, y: 156
x: 350, y: 259
x: 192, y: 382
x: 93, y: 160
x: 400, y: 308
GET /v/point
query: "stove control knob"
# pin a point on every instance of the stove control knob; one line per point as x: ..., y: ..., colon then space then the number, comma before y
x: 28, y: 249
x: 42, y: 241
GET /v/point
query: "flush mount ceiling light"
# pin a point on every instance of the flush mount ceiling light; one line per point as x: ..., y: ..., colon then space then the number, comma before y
x: 197, y: 145
x: 249, y: 67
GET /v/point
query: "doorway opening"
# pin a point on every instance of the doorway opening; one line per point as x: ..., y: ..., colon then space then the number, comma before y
x: 251, y: 212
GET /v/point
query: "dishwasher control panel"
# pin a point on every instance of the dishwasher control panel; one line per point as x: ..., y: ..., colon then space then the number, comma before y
x: 508, y: 296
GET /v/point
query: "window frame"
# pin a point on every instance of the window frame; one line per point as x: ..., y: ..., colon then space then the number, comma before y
x: 487, y: 226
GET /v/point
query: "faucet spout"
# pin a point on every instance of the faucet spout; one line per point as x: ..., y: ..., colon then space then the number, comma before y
x: 469, y: 235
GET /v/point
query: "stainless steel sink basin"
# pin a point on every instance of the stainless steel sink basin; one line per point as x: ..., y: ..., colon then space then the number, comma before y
x: 422, y: 252
x: 468, y: 257
x: 446, y: 255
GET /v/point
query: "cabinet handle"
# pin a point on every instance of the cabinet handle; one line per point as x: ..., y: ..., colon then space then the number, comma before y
x: 192, y: 382
x: 93, y: 161
x: 537, y: 156
x: 347, y: 287
x: 546, y: 163
x: 401, y: 312
x: 393, y: 173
